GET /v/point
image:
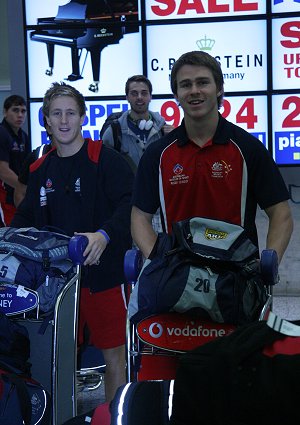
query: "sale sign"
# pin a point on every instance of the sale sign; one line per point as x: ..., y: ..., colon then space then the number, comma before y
x: 286, y: 53
x: 286, y: 128
x: 183, y: 9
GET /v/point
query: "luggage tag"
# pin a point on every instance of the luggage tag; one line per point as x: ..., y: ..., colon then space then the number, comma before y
x: 16, y: 299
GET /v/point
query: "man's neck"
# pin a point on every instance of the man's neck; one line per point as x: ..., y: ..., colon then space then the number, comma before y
x: 64, y: 150
x: 136, y: 117
x: 202, y: 130
x: 15, y: 130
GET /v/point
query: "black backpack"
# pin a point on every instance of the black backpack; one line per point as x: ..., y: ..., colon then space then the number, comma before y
x: 112, y: 120
x: 251, y: 376
x: 35, y: 259
x: 22, y: 399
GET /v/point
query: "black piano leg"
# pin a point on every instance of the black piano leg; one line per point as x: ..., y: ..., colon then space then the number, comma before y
x: 75, y: 66
x: 95, y: 59
x: 50, y: 52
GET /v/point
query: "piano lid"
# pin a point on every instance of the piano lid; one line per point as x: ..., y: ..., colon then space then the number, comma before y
x: 80, y: 10
x: 73, y: 11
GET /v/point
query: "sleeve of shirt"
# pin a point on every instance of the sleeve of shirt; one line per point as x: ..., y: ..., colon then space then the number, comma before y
x: 4, y: 144
x: 266, y: 179
x: 146, y: 184
x: 24, y: 215
x: 117, y: 178
x: 24, y: 171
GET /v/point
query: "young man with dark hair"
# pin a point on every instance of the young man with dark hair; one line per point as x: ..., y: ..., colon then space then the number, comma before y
x: 14, y: 146
x: 82, y: 186
x: 23, y: 176
x: 208, y: 167
x: 139, y: 127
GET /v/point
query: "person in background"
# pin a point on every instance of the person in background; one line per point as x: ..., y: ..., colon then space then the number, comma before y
x: 84, y: 192
x: 138, y: 127
x: 208, y: 167
x: 23, y: 176
x: 14, y: 146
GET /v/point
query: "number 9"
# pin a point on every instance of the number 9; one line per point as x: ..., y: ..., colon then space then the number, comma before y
x: 171, y: 113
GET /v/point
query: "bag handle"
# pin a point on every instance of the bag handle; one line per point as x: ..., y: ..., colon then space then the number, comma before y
x: 283, y: 326
x: 23, y: 396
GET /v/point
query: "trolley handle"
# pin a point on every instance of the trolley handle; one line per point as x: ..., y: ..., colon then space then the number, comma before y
x: 269, y: 266
x: 77, y: 246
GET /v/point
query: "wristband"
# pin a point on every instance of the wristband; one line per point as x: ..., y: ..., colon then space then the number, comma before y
x: 103, y: 232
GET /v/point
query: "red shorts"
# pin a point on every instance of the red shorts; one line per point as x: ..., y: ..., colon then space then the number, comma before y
x: 7, y: 211
x: 104, y: 313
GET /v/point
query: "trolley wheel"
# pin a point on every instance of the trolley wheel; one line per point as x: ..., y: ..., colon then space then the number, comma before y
x: 133, y: 263
x: 269, y: 266
x: 77, y: 246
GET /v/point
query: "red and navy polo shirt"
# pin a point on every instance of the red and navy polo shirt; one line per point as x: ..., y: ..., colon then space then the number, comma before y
x: 224, y: 180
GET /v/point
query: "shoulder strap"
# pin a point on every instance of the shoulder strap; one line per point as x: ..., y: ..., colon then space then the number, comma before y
x: 116, y: 131
x: 23, y: 396
x: 94, y: 149
x: 39, y: 151
x: 35, y: 165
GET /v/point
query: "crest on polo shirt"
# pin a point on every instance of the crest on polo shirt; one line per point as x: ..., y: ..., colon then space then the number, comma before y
x: 178, y: 176
x: 43, y: 197
x: 220, y: 169
x: 49, y: 186
x: 77, y: 185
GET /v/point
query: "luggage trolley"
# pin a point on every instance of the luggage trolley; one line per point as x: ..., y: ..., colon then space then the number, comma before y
x: 155, y: 344
x: 53, y: 353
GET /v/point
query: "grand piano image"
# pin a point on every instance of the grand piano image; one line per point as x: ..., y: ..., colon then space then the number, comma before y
x: 91, y: 25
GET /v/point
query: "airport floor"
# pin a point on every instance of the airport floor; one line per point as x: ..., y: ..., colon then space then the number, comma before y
x: 287, y: 307
x: 87, y: 400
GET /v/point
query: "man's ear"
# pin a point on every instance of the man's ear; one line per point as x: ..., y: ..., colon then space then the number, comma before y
x: 82, y: 118
x: 177, y: 101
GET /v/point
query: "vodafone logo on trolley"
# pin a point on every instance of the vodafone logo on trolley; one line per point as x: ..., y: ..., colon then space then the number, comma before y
x: 179, y: 332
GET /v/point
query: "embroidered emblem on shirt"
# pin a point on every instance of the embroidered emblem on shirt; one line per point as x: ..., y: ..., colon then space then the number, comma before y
x: 43, y: 197
x: 49, y: 186
x: 220, y: 169
x: 178, y: 169
x: 15, y: 146
x: 77, y: 185
x: 178, y: 175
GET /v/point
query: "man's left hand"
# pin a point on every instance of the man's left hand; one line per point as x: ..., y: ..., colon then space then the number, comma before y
x: 96, y: 246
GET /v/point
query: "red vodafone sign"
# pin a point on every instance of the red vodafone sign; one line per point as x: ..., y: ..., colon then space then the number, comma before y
x: 180, y: 332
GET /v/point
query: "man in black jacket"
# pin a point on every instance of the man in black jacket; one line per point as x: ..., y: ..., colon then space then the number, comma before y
x: 23, y: 176
x: 14, y: 146
x: 82, y: 186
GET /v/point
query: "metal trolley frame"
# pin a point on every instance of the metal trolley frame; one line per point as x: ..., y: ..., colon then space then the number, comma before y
x: 53, y: 353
